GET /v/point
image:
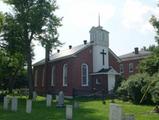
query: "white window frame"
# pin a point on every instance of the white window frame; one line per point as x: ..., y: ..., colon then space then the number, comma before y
x: 131, y: 67
x: 43, y: 77
x: 65, y: 75
x: 83, y: 76
x: 52, y: 75
x: 121, y: 68
x: 36, y: 78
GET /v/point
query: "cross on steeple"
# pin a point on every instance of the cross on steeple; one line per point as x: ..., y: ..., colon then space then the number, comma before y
x: 103, y: 54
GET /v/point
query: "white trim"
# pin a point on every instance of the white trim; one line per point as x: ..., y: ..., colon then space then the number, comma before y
x: 35, y: 78
x: 65, y: 74
x: 52, y: 75
x: 43, y: 77
x: 82, y: 74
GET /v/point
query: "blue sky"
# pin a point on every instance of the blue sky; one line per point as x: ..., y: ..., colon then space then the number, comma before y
x: 126, y: 20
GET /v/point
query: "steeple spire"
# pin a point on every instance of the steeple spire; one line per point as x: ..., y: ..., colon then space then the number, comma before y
x: 98, y: 19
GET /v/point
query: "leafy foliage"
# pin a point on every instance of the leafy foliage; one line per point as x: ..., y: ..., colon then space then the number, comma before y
x: 133, y: 88
x: 28, y: 23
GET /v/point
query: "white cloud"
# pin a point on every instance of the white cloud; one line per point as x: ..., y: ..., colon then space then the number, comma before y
x: 85, y: 12
x: 136, y: 15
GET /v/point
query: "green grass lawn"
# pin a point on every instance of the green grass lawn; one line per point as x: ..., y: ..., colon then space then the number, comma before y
x: 89, y: 110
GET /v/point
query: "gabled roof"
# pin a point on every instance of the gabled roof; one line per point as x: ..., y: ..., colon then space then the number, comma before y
x: 65, y: 53
x: 133, y: 56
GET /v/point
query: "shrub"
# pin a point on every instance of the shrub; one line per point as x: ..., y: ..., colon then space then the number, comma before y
x: 134, y: 88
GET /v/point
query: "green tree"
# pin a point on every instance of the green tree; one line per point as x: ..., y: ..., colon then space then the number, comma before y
x: 30, y: 17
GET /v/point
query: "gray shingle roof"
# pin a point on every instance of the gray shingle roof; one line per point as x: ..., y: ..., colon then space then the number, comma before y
x: 65, y: 53
x: 133, y: 56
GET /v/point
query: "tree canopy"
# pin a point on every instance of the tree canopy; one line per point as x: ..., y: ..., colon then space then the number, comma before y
x: 30, y: 20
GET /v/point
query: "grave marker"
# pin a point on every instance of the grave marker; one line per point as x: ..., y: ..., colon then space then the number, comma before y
x: 28, y: 106
x: 60, y: 100
x: 14, y: 104
x: 5, y: 103
x: 48, y: 100
x: 115, y: 112
x: 68, y: 112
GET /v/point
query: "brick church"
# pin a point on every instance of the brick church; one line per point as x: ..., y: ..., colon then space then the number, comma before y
x: 90, y: 66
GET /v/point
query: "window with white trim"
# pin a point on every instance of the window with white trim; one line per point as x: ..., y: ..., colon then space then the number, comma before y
x: 36, y: 78
x: 52, y: 75
x: 131, y: 67
x: 121, y: 68
x: 84, y: 74
x: 65, y: 74
x: 43, y: 77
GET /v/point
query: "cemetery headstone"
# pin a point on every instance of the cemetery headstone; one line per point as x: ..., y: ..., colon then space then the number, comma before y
x: 76, y: 104
x: 60, y: 100
x: 5, y: 103
x: 48, y: 100
x: 116, y: 112
x: 28, y: 106
x: 14, y: 104
x: 129, y: 117
x: 68, y: 112
x: 34, y: 95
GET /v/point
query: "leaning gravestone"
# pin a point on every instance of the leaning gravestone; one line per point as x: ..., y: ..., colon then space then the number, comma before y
x: 60, y: 102
x: 48, y: 100
x: 68, y: 112
x: 5, y: 103
x: 115, y: 112
x: 28, y: 106
x: 14, y: 104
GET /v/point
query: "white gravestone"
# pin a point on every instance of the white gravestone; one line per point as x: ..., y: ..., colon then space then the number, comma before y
x: 28, y: 106
x: 60, y: 99
x: 5, y: 103
x: 34, y: 95
x: 129, y: 117
x: 76, y: 104
x: 48, y: 100
x: 115, y: 112
x: 14, y: 104
x: 68, y: 112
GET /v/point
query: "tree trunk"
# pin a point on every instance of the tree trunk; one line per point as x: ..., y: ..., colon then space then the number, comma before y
x: 29, y: 70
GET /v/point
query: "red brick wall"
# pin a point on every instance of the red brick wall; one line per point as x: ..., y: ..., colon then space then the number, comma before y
x: 74, y: 78
x: 113, y: 62
x: 126, y: 73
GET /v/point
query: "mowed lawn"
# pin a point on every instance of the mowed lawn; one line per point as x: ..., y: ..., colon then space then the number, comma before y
x: 90, y: 109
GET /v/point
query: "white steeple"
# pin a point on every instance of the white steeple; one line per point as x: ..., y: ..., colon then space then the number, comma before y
x: 100, y: 39
x: 99, y: 36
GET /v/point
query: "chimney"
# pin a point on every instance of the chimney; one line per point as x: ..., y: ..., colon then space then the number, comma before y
x: 85, y: 42
x: 58, y: 51
x: 136, y: 50
x: 70, y: 46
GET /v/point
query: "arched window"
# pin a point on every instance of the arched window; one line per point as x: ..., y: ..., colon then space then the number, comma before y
x: 36, y: 78
x: 43, y: 77
x: 52, y: 75
x: 84, y: 74
x: 65, y: 75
